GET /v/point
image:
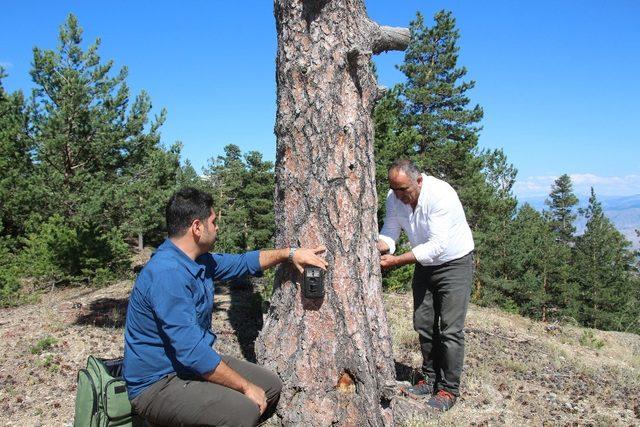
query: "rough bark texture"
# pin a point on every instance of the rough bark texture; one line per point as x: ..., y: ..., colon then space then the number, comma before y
x: 334, y: 355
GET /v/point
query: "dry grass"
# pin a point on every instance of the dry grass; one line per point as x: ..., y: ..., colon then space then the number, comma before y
x: 517, y: 371
x: 522, y: 372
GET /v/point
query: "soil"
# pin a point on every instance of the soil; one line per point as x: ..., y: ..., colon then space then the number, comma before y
x: 517, y: 371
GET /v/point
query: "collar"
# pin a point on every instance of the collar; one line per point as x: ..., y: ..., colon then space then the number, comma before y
x: 193, y: 267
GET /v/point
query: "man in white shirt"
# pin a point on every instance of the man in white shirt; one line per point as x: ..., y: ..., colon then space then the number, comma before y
x: 429, y: 211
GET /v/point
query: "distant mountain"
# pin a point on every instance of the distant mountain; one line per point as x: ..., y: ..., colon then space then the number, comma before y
x: 623, y: 211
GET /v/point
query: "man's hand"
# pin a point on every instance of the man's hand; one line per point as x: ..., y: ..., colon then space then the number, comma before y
x: 305, y: 256
x: 256, y: 394
x: 224, y: 375
x: 301, y: 257
x: 382, y: 246
x: 387, y: 261
x: 390, y: 261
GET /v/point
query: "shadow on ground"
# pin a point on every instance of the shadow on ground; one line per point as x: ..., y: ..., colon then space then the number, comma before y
x: 104, y: 313
x: 244, y: 313
x: 407, y: 373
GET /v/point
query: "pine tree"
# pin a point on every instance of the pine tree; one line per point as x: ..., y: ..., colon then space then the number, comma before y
x: 86, y: 136
x: 258, y: 195
x: 492, y: 238
x: 95, y: 153
x: 561, y: 202
x: 17, y: 178
x: 226, y: 179
x: 540, y: 267
x: 437, y: 108
x: 603, y: 269
x: 325, y: 194
x: 146, y: 187
x: 393, y: 140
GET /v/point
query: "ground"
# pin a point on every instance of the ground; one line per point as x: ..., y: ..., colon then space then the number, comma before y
x: 517, y: 371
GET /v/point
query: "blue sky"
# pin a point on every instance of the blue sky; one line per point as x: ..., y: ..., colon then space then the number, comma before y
x: 558, y: 81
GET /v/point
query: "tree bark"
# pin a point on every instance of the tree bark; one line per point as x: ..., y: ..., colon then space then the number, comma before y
x: 334, y: 355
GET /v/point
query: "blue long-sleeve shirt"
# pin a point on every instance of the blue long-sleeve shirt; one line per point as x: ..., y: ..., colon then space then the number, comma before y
x: 168, y: 326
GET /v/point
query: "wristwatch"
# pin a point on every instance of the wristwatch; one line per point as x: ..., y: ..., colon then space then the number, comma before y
x: 291, y: 252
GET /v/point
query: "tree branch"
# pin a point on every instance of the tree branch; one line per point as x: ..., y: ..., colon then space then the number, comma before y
x: 389, y: 38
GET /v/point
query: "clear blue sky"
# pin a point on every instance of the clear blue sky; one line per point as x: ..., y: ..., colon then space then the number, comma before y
x: 558, y: 80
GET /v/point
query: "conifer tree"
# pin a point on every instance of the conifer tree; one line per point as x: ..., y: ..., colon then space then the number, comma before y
x: 492, y: 236
x: 539, y: 266
x: 146, y: 186
x: 95, y: 153
x: 16, y: 180
x: 437, y: 108
x: 225, y: 175
x: 86, y: 136
x: 393, y: 140
x: 603, y: 269
x: 258, y: 195
x: 561, y: 202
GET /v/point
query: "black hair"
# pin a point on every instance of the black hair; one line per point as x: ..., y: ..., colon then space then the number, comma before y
x: 407, y: 166
x: 185, y: 206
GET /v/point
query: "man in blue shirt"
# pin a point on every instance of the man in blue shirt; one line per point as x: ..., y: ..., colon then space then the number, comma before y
x: 173, y: 374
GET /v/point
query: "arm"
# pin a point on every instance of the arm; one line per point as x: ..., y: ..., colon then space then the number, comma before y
x: 301, y: 257
x: 175, y: 312
x: 390, y: 229
x: 439, y: 222
x: 390, y: 261
x: 224, y: 375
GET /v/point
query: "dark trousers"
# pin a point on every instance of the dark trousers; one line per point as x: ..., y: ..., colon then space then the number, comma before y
x: 174, y: 401
x: 440, y: 301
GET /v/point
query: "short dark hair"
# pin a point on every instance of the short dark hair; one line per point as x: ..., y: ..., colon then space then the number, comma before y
x: 407, y: 166
x: 185, y: 206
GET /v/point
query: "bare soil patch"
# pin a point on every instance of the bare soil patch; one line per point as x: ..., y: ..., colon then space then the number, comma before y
x: 517, y: 372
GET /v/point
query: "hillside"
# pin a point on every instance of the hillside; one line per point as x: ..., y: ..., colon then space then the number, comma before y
x: 517, y: 371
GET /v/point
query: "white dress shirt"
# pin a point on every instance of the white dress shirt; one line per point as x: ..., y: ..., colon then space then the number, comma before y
x: 437, y: 228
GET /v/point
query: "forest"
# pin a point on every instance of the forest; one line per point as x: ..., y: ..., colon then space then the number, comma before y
x: 86, y: 175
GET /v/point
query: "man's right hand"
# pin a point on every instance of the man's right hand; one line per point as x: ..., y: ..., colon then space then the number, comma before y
x: 224, y: 375
x: 256, y: 394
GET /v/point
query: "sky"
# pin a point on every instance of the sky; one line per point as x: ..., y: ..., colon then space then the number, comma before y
x: 558, y: 80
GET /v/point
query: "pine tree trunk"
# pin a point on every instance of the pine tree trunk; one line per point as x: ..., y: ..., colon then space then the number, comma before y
x: 140, y: 242
x: 334, y: 355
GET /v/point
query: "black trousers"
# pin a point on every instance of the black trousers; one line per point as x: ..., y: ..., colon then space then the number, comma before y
x: 440, y: 301
x: 174, y: 401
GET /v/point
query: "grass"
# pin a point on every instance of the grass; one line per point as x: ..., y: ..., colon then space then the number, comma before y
x: 43, y: 345
x: 515, y: 366
x: 589, y: 340
x: 50, y: 364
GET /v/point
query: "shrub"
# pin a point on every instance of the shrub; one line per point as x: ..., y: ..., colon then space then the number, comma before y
x: 9, y: 273
x: 398, y: 279
x: 59, y: 252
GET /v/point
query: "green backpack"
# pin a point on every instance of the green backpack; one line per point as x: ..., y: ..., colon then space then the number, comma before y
x: 101, y: 399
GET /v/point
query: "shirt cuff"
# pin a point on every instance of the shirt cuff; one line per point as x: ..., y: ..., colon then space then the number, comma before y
x: 208, y: 363
x: 390, y: 242
x: 421, y: 256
